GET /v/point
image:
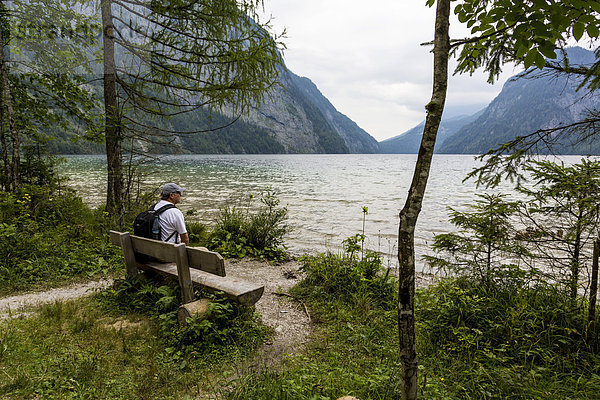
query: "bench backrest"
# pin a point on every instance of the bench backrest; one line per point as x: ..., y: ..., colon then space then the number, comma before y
x: 198, y: 257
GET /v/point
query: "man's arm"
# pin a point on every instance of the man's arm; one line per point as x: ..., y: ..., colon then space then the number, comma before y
x: 185, y: 239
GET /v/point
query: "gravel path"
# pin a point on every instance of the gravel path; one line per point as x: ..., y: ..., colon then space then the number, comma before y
x: 19, y: 305
x: 287, y: 316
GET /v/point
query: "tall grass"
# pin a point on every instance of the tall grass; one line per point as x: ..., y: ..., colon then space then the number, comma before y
x: 511, y: 342
x: 227, y: 323
x: 352, y: 301
x: 48, y: 236
x: 88, y: 350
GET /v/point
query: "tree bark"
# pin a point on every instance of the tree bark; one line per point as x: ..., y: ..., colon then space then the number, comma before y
x: 112, y: 123
x: 594, y: 286
x: 414, y: 201
x: 14, y: 134
x: 5, y: 163
x: 575, y: 260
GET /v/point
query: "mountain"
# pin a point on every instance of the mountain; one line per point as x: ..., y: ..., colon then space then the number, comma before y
x: 527, y: 104
x: 356, y: 139
x: 409, y: 141
x: 524, y: 105
x: 295, y: 118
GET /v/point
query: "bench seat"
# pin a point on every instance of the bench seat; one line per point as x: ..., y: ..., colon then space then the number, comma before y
x: 190, y: 265
x: 235, y: 289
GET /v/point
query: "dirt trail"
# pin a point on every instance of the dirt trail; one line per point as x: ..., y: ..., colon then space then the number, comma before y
x: 20, y: 305
x: 285, y: 315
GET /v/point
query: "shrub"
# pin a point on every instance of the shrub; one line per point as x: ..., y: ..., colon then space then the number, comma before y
x: 241, y: 232
x: 511, y: 340
x: 349, y: 274
x: 198, y: 233
x: 48, y: 235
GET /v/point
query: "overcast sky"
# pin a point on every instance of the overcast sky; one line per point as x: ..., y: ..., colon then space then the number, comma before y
x: 366, y: 58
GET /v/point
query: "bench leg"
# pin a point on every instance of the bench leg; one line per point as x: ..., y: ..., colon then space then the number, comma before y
x: 183, y: 273
x: 128, y: 255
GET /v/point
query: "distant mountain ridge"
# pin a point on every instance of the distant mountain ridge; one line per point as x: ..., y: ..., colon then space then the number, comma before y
x: 357, y: 139
x: 523, y: 106
x: 295, y: 118
x: 409, y: 141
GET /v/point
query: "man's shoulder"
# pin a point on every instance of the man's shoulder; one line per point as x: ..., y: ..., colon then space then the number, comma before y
x: 163, y: 203
x: 170, y: 211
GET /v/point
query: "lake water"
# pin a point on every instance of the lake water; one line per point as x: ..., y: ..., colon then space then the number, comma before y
x: 323, y: 193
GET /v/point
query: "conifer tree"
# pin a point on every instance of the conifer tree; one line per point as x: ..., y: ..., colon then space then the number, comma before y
x: 44, y: 67
x: 562, y: 207
x: 163, y: 59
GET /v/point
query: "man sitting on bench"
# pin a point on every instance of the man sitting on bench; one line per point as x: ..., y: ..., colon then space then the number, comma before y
x: 172, y: 223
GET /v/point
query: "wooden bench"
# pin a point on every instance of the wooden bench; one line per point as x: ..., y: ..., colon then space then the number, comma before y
x: 191, y: 265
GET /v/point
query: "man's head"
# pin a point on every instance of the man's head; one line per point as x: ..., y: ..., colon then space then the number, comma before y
x: 171, y: 192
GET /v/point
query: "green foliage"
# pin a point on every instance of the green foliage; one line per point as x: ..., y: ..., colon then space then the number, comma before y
x: 517, y: 341
x: 563, y: 207
x: 198, y: 233
x: 49, y: 64
x: 227, y: 328
x: 565, y: 190
x: 38, y: 169
x: 484, y: 242
x: 49, y: 235
x: 512, y: 342
x: 354, y: 346
x: 259, y: 233
x: 560, y: 216
x: 521, y: 31
x: 82, y: 350
x: 350, y: 276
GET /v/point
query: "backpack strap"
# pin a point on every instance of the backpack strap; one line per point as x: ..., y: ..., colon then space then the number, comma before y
x: 170, y: 236
x: 163, y: 208
x: 160, y: 211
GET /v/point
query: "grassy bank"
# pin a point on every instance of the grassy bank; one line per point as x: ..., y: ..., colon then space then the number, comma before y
x: 124, y: 343
x: 509, y: 341
x: 49, y: 237
x: 498, y: 338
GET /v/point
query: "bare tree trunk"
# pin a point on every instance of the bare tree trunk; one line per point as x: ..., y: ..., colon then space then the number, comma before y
x: 112, y: 128
x: 412, y: 208
x: 575, y: 260
x: 14, y: 134
x: 5, y: 161
x: 594, y: 286
x: 5, y: 164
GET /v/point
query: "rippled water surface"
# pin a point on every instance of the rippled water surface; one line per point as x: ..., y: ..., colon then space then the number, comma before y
x: 324, y: 193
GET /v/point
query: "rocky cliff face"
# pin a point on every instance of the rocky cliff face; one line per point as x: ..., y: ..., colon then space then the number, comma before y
x: 526, y: 105
x: 355, y: 138
x: 295, y: 118
x: 302, y: 120
x: 294, y: 121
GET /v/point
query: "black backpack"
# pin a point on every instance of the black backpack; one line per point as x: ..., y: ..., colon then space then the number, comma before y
x: 142, y: 226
